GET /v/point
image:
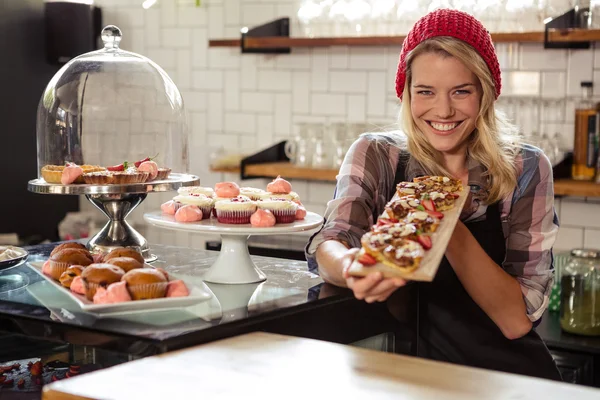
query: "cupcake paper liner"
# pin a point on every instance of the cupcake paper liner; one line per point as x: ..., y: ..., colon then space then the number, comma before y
x: 57, y: 268
x: 234, y: 217
x: 148, y: 291
x: 207, y: 211
x: 284, y: 216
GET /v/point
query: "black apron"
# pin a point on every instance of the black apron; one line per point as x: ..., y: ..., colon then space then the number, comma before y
x: 453, y: 328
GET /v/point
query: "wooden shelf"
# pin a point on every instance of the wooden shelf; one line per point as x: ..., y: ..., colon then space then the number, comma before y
x: 568, y: 187
x: 286, y: 170
x: 555, y: 35
x: 227, y: 170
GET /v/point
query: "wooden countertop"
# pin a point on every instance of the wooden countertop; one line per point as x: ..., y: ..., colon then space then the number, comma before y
x: 268, y: 366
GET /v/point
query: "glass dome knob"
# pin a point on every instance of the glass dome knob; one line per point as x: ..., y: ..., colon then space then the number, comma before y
x: 111, y: 36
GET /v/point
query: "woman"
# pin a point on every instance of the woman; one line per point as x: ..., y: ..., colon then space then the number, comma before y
x: 494, y: 281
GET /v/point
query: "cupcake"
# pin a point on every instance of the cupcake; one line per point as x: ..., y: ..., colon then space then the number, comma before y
x: 124, y: 252
x: 235, y: 211
x: 67, y: 277
x: 203, y: 202
x: 186, y: 190
x: 99, y: 275
x: 252, y: 193
x: 62, y: 260
x: 283, y: 210
x: 145, y: 283
x: 292, y: 196
x: 68, y: 245
x: 125, y: 263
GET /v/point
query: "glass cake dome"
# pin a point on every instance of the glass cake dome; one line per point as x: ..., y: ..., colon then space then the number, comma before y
x: 110, y: 106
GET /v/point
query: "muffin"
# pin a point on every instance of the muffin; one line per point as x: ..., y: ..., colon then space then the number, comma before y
x: 67, y: 277
x: 235, y: 211
x: 125, y: 263
x: 283, y: 210
x: 99, y: 275
x: 205, y: 203
x: 293, y: 196
x: 124, y: 252
x: 185, y: 190
x: 62, y: 260
x: 145, y: 283
x: 252, y: 193
x: 68, y: 245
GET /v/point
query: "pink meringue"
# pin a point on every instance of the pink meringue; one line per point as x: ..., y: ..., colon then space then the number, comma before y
x: 46, y: 268
x: 177, y: 289
x: 77, y: 286
x: 188, y: 213
x: 262, y: 219
x: 227, y: 189
x: 170, y: 207
x: 149, y: 166
x: 98, y: 257
x: 300, y: 212
x: 279, y: 186
x: 114, y: 293
x: 70, y: 173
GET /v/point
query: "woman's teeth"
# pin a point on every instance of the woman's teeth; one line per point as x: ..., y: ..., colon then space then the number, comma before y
x: 444, y: 127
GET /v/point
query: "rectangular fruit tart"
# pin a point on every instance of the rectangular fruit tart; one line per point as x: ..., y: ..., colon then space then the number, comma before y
x: 411, y: 236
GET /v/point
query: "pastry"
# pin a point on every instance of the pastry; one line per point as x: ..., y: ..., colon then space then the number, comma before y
x: 237, y: 210
x: 262, y: 219
x: 68, y: 245
x: 125, y: 263
x: 62, y: 260
x: 279, y: 186
x: 124, y: 252
x: 253, y: 193
x: 67, y: 277
x: 115, y: 293
x: 53, y: 173
x: 186, y: 190
x: 163, y: 173
x: 446, y: 184
x: 70, y: 173
x: 150, y: 167
x: 399, y: 208
x: 292, y: 196
x: 205, y: 203
x: 99, y: 275
x: 128, y: 176
x: 283, y: 210
x: 170, y: 207
x: 145, y: 283
x: 227, y: 190
x: 177, y: 288
x: 189, y: 213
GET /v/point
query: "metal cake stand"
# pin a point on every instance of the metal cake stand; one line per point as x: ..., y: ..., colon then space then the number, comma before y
x: 117, y: 202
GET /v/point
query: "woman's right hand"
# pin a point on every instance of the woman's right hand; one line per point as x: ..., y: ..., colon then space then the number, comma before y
x: 373, y: 287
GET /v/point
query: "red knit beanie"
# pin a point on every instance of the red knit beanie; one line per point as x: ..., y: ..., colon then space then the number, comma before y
x: 458, y: 24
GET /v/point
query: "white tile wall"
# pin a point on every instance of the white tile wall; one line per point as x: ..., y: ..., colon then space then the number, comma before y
x: 253, y: 100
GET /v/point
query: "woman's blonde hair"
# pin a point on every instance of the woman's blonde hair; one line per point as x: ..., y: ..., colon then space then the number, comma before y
x: 495, y: 141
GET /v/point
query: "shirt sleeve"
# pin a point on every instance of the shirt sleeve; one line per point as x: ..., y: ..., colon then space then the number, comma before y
x: 533, y: 226
x: 362, y: 190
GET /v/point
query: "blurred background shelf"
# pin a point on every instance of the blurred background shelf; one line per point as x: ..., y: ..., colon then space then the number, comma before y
x: 554, y: 35
x: 286, y: 169
x: 569, y: 187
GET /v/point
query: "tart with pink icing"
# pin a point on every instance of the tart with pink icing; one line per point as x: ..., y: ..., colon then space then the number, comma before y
x: 262, y: 219
x: 279, y: 186
x: 188, y: 213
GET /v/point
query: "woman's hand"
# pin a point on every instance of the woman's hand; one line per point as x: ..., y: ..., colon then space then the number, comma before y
x: 374, y: 287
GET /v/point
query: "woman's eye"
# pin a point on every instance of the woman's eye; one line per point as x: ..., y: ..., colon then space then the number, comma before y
x: 425, y: 92
x: 462, y: 92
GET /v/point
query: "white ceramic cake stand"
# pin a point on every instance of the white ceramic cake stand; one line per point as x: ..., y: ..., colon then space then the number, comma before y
x: 233, y: 265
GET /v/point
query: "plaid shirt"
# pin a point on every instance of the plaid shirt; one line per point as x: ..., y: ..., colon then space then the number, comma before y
x: 365, y: 184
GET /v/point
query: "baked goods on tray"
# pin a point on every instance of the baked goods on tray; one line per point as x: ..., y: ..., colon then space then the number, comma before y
x: 141, y: 171
x: 410, y: 237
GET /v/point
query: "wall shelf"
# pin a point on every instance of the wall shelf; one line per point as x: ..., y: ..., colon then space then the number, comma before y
x: 554, y: 35
x: 568, y: 187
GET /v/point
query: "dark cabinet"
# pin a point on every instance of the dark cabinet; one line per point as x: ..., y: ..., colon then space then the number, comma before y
x: 575, y: 367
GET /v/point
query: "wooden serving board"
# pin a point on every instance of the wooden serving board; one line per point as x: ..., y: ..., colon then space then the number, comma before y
x: 431, y: 261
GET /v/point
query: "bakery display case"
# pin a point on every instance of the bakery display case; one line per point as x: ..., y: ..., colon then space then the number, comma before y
x: 111, y: 125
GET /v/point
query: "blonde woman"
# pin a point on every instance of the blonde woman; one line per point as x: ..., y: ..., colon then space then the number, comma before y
x: 494, y: 282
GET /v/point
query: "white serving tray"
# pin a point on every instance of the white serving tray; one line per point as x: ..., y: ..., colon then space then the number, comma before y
x: 431, y: 261
x: 196, y: 295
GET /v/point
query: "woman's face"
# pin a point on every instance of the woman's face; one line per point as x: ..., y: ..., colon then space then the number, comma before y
x: 445, y: 98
